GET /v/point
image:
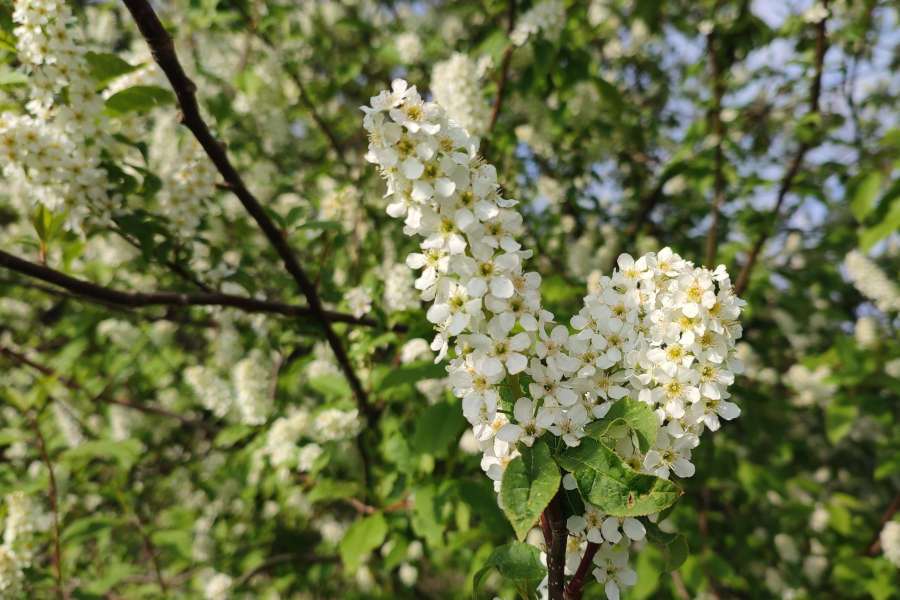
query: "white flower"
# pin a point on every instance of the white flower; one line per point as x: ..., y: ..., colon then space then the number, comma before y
x: 528, y: 426
x: 612, y: 570
x: 670, y: 453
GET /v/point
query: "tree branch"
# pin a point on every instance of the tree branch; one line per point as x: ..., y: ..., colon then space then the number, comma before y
x: 718, y: 89
x: 163, y: 50
x: 556, y: 552
x: 575, y: 588
x: 111, y: 296
x: 73, y: 385
x: 791, y: 173
x: 875, y: 545
x: 504, y: 66
x: 54, y: 507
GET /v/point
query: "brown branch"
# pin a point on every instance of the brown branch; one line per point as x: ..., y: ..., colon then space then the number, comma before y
x: 504, y: 66
x: 718, y: 89
x: 150, y: 549
x: 163, y: 50
x: 647, y: 203
x: 54, y: 508
x: 791, y: 173
x: 556, y: 552
x: 575, y: 588
x: 874, y: 546
x: 114, y: 297
x: 73, y: 385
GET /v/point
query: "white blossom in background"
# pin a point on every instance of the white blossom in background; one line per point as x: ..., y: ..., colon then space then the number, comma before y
x: 866, y: 332
x: 67, y: 423
x: 22, y: 521
x: 333, y: 424
x: 252, y: 378
x: 213, y: 392
x: 811, y: 387
x: 890, y: 542
x: 52, y: 154
x: 281, y: 439
x: 872, y: 282
x: 457, y: 86
x: 399, y: 293
x: 359, y: 301
x: 658, y: 329
x: 217, y: 587
x: 11, y: 576
x: 307, y: 456
x: 409, y: 47
x: 547, y: 17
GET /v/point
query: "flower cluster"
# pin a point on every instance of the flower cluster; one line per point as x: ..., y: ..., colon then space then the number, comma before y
x: 871, y: 282
x: 17, y: 550
x: 52, y: 155
x: 659, y: 330
x: 248, y: 396
x: 548, y: 16
x: 456, y: 85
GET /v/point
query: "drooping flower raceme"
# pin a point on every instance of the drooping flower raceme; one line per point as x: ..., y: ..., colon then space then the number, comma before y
x: 658, y: 330
x: 52, y: 154
x: 456, y: 86
x: 872, y: 282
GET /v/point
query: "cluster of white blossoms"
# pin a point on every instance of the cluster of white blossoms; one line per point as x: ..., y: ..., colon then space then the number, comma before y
x: 890, y: 542
x: 659, y: 330
x: 872, y: 282
x: 457, y: 86
x: 52, y: 154
x: 249, y: 394
x: 16, y: 552
x: 547, y: 17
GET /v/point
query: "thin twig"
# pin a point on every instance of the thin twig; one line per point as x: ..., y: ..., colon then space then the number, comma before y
x: 791, y: 173
x: 150, y: 549
x: 504, y: 66
x: 163, y: 50
x: 718, y: 90
x: 73, y: 385
x: 54, y: 508
x: 575, y: 587
x: 105, y: 295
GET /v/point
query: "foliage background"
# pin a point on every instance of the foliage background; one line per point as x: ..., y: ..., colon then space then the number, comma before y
x: 618, y: 135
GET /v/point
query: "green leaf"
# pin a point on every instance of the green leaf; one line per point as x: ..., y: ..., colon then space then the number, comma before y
x: 363, y: 536
x: 331, y: 386
x: 839, y: 419
x: 888, y: 225
x: 436, y: 428
x: 864, y: 191
x: 635, y: 415
x: 425, y: 518
x: 231, y: 435
x: 607, y: 482
x: 329, y: 489
x: 529, y: 483
x: 105, y: 66
x: 125, y: 452
x: 518, y: 563
x: 412, y: 373
x: 673, y: 546
x: 139, y: 99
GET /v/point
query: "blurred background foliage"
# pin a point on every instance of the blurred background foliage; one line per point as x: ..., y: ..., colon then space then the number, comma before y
x: 619, y: 133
